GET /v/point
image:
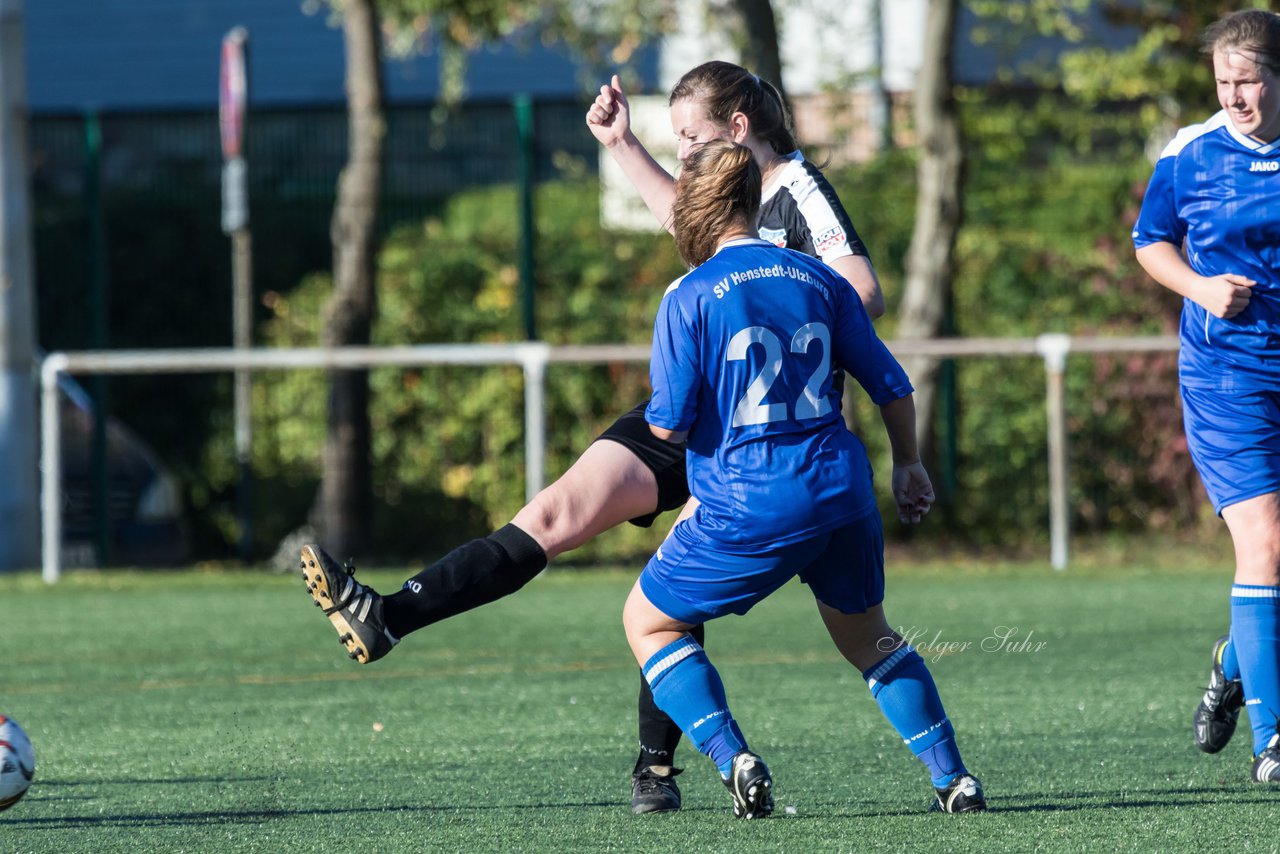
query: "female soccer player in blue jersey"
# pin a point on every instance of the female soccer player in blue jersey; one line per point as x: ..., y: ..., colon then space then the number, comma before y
x: 627, y: 474
x: 798, y: 210
x: 1209, y: 230
x: 742, y: 368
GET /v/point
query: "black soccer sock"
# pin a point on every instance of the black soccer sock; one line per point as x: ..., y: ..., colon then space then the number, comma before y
x: 471, y: 575
x: 659, y: 735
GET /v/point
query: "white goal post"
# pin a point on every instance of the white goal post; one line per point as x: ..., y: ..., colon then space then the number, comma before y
x: 533, y: 358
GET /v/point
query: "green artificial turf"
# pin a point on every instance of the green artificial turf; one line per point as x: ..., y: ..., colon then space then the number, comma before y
x: 216, y: 712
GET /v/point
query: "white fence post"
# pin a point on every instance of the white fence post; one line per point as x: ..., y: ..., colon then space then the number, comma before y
x: 51, y: 468
x: 534, y: 358
x: 1054, y: 347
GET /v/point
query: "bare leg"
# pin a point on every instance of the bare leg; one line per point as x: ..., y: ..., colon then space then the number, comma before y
x: 1255, y: 533
x: 693, y: 695
x: 903, y: 688
x: 648, y: 629
x: 653, y: 788
x: 863, y: 639
x: 605, y: 487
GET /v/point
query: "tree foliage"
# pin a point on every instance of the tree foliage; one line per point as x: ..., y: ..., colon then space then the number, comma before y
x: 1047, y: 209
x: 600, y: 33
x: 1162, y: 71
x: 448, y: 450
x: 603, y: 34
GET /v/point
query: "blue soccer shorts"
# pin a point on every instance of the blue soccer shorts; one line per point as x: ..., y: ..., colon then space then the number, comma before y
x: 1234, y: 439
x: 693, y: 580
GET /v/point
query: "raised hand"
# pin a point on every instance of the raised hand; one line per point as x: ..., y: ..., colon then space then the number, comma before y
x: 609, y: 116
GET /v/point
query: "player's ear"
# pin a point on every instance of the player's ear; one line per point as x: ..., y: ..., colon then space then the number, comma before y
x: 739, y: 127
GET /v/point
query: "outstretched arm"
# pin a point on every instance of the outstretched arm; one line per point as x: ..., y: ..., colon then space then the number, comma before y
x: 609, y: 119
x: 1222, y: 296
x: 912, y: 489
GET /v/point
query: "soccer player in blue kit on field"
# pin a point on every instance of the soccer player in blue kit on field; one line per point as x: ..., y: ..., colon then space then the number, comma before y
x: 626, y: 474
x: 1209, y: 230
x: 744, y: 349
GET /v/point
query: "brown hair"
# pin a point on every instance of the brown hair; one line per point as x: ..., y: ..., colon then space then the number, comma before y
x: 1251, y: 29
x: 724, y: 89
x: 718, y: 190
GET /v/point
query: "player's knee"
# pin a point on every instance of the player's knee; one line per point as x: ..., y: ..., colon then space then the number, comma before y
x: 1260, y: 566
x: 637, y: 630
x: 551, y: 519
x: 1257, y: 543
x: 538, y: 517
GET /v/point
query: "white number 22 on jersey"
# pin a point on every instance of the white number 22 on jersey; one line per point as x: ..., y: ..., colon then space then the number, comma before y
x: 751, y: 408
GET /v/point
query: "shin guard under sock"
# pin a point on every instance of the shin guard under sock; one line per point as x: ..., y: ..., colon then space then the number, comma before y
x: 904, y: 689
x: 659, y: 735
x: 471, y: 575
x: 1255, y: 633
x: 687, y: 687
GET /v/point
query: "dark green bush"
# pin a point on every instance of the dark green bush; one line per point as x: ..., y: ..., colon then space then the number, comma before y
x: 449, y: 441
x: 1046, y: 252
x: 1050, y: 195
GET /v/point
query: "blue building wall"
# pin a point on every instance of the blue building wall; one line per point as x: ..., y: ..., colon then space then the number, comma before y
x: 163, y: 54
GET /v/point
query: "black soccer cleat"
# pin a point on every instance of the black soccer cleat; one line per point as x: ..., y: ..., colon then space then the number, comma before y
x: 963, y: 794
x: 354, y: 609
x: 1215, y: 719
x: 654, y: 789
x: 1266, y: 765
x: 751, y: 786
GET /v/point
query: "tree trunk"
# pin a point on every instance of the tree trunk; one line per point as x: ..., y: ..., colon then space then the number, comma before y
x: 882, y: 106
x: 19, y: 418
x: 345, y: 507
x: 760, y: 41
x: 926, y: 303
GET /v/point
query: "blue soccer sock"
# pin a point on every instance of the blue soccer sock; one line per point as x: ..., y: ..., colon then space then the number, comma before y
x: 905, y: 691
x: 1230, y: 663
x: 687, y: 687
x: 1255, y: 634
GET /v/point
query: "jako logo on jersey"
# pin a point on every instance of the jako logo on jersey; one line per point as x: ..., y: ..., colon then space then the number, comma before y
x: 776, y: 236
x: 1265, y: 166
x: 828, y: 239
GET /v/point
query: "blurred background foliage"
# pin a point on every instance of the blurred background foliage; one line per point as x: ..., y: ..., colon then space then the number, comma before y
x: 1056, y: 174
x: 1050, y: 197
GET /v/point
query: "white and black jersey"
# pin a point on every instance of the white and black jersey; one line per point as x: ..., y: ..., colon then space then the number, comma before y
x: 801, y: 211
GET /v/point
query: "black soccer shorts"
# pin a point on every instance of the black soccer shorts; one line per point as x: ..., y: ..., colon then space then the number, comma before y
x: 665, y: 459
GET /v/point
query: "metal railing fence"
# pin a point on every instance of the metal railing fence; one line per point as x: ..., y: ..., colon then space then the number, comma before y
x: 533, y: 358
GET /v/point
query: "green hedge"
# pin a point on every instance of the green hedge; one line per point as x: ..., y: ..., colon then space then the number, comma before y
x: 449, y: 441
x: 1050, y: 197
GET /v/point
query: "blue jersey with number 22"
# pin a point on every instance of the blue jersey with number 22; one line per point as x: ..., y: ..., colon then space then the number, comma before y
x: 743, y: 353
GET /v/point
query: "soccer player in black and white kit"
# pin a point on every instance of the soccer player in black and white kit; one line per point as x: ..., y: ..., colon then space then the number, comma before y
x: 626, y: 474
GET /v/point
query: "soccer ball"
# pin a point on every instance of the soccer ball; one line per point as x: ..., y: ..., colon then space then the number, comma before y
x: 17, y: 763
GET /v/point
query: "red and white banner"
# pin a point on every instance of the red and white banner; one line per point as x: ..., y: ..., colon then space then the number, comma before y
x: 233, y: 91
